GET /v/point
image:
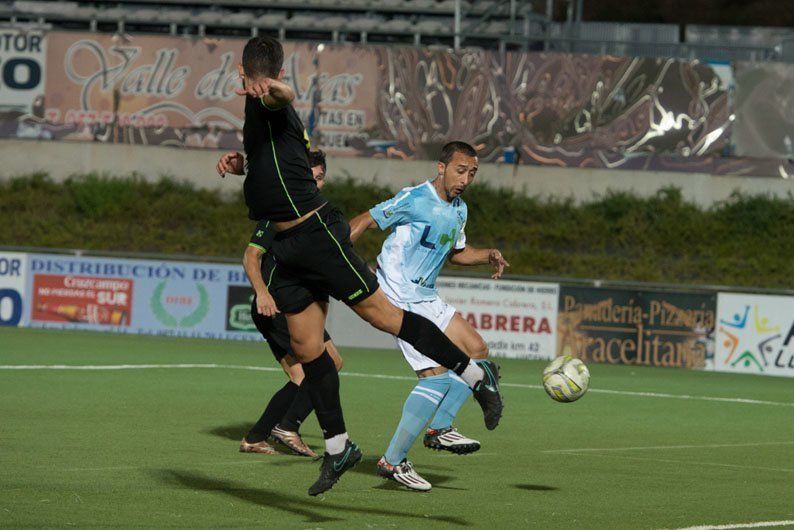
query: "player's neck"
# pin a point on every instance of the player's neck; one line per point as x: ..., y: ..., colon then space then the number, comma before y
x: 438, y: 185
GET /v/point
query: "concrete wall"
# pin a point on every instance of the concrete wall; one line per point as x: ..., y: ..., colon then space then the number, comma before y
x: 61, y: 159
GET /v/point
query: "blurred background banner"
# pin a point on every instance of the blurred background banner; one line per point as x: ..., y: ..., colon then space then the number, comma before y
x: 755, y: 334
x: 13, y: 275
x: 173, y: 298
x: 22, y: 68
x: 516, y: 319
x: 399, y: 102
x: 764, y: 110
x: 638, y: 327
x: 180, y: 91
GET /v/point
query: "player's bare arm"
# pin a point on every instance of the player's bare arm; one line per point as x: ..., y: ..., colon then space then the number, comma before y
x: 252, y: 263
x: 275, y: 94
x: 231, y: 162
x: 480, y: 256
x: 360, y: 224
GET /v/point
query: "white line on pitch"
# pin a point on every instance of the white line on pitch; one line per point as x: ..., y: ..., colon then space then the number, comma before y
x: 760, y: 524
x: 656, y: 447
x: 375, y: 376
x: 688, y: 462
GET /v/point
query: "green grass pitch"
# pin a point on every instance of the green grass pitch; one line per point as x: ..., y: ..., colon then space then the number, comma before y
x: 157, y: 447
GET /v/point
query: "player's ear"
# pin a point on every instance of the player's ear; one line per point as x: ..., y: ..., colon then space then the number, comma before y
x: 280, y: 74
x: 441, y: 167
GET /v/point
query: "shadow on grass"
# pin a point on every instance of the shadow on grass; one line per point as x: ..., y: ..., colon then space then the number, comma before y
x: 234, y: 431
x: 313, y: 511
x: 535, y: 487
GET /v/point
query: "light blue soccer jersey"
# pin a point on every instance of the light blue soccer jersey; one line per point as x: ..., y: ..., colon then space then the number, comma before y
x: 425, y: 229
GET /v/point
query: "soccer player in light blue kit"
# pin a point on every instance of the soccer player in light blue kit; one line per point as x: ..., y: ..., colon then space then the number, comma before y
x: 428, y: 223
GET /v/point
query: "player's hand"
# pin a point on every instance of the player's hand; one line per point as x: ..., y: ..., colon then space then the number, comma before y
x: 231, y: 162
x: 265, y: 305
x: 498, y: 262
x: 255, y: 89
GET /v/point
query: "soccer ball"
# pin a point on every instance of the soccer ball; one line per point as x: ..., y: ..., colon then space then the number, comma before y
x: 566, y: 379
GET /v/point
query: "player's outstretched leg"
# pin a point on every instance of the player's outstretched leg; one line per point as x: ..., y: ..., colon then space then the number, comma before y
x: 322, y: 380
x: 430, y: 341
x: 441, y: 435
x: 419, y: 407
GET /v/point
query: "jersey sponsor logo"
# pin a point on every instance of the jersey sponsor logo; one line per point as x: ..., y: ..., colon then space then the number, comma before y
x: 422, y: 282
x: 444, y: 240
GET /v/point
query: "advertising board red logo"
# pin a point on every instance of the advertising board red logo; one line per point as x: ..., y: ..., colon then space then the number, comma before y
x: 82, y: 299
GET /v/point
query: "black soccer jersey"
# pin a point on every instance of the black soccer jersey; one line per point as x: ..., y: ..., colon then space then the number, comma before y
x: 278, y: 185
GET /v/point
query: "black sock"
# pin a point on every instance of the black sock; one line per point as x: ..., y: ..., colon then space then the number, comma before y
x: 274, y: 411
x: 431, y: 342
x: 298, y: 412
x: 322, y: 382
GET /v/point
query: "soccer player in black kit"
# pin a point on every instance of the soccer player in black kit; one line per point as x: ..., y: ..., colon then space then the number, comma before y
x: 315, y: 259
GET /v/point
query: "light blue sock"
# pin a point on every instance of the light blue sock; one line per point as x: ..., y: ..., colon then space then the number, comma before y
x: 456, y: 396
x: 419, y: 407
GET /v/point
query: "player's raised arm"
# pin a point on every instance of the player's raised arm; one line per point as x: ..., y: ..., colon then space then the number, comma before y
x: 480, y: 256
x: 361, y: 223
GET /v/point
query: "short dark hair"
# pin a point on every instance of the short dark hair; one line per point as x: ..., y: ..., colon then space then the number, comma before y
x: 263, y: 56
x: 317, y: 158
x: 455, y: 147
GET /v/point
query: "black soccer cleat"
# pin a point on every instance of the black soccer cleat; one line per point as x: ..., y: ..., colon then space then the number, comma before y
x: 334, y: 466
x: 451, y: 440
x: 486, y: 392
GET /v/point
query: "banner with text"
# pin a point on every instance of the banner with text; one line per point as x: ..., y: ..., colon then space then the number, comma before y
x: 135, y: 296
x: 628, y: 326
x: 22, y: 68
x: 755, y: 334
x: 516, y: 319
x: 13, y: 272
x: 169, y: 91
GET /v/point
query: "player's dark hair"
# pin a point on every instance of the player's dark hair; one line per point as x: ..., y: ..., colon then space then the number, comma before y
x: 317, y: 158
x: 455, y: 147
x: 263, y: 56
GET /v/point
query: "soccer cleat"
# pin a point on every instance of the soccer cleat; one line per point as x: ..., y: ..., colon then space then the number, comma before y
x: 262, y: 447
x: 486, y: 392
x: 293, y: 441
x: 403, y: 473
x: 334, y: 466
x: 451, y: 440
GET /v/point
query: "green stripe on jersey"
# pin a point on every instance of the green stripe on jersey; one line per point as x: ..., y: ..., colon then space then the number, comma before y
x: 278, y: 169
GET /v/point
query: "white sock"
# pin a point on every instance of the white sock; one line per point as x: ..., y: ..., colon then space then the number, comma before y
x: 335, y: 444
x: 473, y: 374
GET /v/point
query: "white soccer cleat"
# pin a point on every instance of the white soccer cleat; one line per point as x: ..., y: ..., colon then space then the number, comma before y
x: 451, y: 440
x: 403, y: 473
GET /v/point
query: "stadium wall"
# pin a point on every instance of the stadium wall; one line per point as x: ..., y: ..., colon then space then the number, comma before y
x: 640, y: 325
x: 62, y: 159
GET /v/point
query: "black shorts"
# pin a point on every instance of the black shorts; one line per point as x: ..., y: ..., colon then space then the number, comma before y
x: 275, y: 332
x: 316, y: 259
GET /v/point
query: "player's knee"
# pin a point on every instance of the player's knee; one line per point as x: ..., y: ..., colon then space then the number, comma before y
x: 480, y: 350
x: 306, y: 350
